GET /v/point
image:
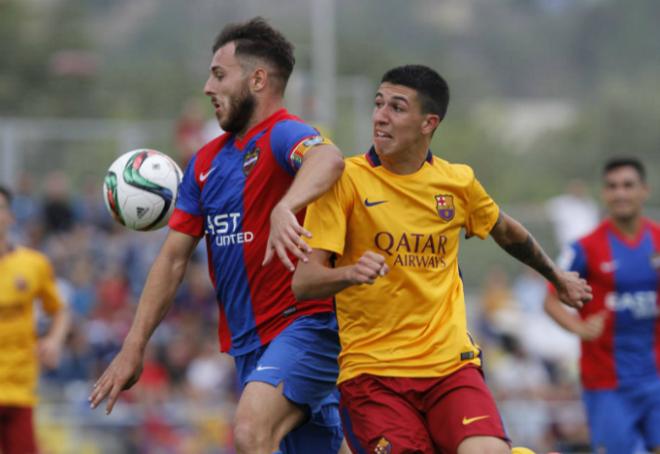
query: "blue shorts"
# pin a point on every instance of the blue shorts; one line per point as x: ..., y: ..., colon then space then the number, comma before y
x: 303, y: 357
x: 621, y: 419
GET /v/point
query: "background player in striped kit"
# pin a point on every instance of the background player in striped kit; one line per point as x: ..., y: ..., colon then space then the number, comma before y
x: 269, y: 164
x: 410, y: 373
x: 620, y: 327
x: 25, y: 276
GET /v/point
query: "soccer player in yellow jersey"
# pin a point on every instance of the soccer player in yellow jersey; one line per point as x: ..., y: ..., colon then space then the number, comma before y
x: 25, y: 275
x: 410, y: 376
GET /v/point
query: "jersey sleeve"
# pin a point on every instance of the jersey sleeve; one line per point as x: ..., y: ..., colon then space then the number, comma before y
x: 327, y: 217
x: 187, y: 217
x: 290, y: 140
x: 573, y: 258
x: 51, y: 299
x: 482, y: 211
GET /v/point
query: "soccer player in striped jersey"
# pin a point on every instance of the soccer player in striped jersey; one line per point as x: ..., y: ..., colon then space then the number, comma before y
x: 385, y: 242
x: 267, y: 167
x: 25, y: 276
x: 620, y: 328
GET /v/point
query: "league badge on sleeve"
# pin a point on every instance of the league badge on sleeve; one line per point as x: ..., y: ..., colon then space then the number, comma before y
x: 445, y: 206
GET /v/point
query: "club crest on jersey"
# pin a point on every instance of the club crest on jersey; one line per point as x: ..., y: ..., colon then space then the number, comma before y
x: 383, y: 446
x: 20, y: 283
x: 444, y: 203
x: 250, y: 160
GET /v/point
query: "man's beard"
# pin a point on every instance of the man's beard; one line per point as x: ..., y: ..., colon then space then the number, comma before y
x: 241, y: 110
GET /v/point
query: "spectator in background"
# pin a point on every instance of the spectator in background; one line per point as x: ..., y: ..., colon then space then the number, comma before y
x: 573, y: 214
x: 58, y: 211
x: 189, y: 130
x: 25, y: 276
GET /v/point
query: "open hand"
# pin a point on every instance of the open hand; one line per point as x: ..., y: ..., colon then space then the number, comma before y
x: 286, y: 235
x: 122, y: 373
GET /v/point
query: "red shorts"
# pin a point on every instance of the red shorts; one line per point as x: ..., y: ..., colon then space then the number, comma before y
x: 16, y: 430
x: 391, y: 415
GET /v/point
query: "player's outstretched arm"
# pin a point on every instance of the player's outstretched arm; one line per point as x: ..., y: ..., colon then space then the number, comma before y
x: 519, y: 243
x: 321, y: 168
x: 50, y: 347
x: 164, y: 278
x: 588, y: 329
x: 317, y: 279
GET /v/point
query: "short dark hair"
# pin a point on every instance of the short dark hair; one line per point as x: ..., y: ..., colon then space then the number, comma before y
x: 256, y: 38
x: 615, y: 163
x: 432, y: 88
x: 6, y: 193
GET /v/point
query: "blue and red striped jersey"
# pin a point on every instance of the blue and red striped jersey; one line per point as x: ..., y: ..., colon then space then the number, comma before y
x: 625, y: 277
x: 227, y: 193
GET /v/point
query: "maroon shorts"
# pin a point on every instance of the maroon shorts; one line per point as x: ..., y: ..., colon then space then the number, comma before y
x: 16, y: 430
x: 391, y: 415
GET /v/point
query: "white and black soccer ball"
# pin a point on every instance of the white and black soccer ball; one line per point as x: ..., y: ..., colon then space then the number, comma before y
x: 140, y: 189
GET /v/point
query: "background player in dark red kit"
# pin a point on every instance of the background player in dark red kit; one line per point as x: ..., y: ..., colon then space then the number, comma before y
x: 620, y: 327
x: 269, y: 164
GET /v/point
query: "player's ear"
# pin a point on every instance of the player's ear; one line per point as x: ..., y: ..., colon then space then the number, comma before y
x: 430, y: 123
x: 258, y: 79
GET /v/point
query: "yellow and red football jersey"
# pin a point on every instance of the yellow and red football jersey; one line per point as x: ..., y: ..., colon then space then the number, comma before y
x: 25, y: 276
x: 412, y: 322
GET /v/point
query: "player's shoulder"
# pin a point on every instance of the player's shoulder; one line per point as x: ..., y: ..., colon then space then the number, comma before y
x: 458, y: 172
x: 652, y: 225
x: 32, y: 256
x: 596, y: 236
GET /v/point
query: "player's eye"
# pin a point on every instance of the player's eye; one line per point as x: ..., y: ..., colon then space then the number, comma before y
x: 378, y: 103
x: 397, y: 108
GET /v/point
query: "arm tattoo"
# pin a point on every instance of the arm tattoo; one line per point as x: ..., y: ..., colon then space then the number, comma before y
x: 531, y: 254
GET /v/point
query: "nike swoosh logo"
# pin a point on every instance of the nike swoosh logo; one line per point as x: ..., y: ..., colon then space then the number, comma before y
x: 203, y: 176
x: 260, y: 368
x: 373, y: 204
x: 467, y: 421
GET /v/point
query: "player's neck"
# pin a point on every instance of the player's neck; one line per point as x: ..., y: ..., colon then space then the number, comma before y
x: 263, y: 110
x: 628, y: 227
x: 406, y: 162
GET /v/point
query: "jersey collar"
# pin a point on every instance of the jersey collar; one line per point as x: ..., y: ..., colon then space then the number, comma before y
x: 374, y: 160
x: 265, y: 124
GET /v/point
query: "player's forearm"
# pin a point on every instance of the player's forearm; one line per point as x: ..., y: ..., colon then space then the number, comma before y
x: 564, y: 318
x: 61, y: 322
x: 312, y: 280
x: 159, y: 290
x: 321, y: 168
x: 511, y: 236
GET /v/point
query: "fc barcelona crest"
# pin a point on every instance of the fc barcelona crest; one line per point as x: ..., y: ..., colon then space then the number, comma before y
x: 444, y: 203
x: 250, y: 160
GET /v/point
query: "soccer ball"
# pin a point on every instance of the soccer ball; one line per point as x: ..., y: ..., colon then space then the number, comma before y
x: 140, y: 189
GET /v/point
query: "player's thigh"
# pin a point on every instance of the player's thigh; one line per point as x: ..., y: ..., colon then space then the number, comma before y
x: 651, y: 416
x: 459, y: 407
x: 611, y: 421
x: 263, y: 407
x: 376, y: 419
x: 321, y: 434
x: 483, y: 445
x: 17, y: 431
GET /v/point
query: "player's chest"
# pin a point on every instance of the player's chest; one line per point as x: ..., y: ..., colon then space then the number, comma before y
x: 414, y: 208
x: 18, y: 285
x: 234, y: 173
